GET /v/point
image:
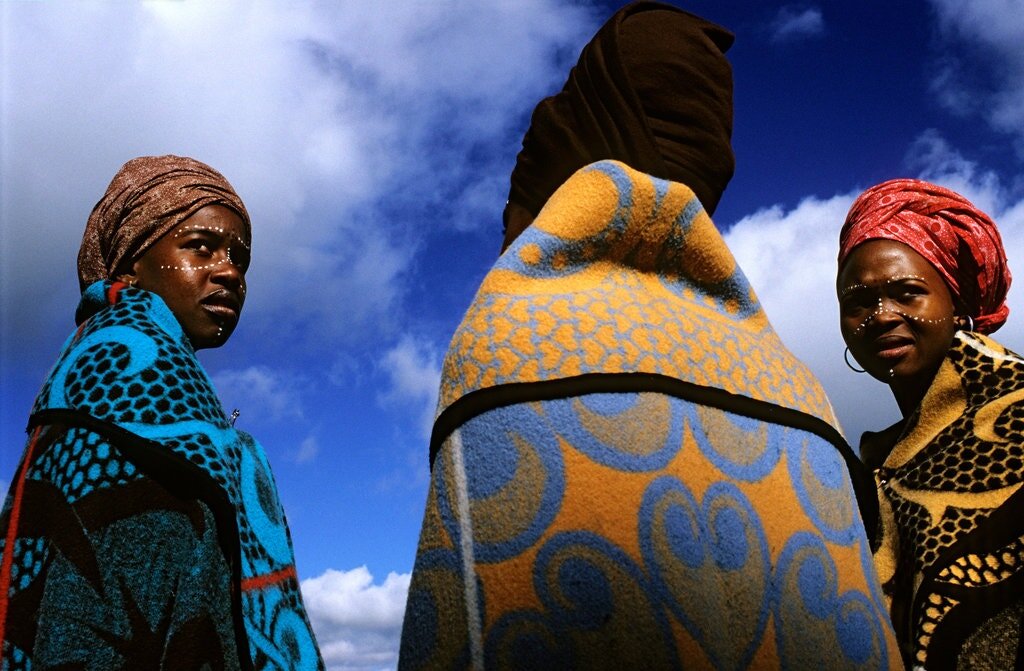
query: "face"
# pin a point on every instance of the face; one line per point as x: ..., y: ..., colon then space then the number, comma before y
x: 896, y: 313
x: 198, y: 268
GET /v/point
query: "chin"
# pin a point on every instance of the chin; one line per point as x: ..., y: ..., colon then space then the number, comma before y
x: 210, y: 340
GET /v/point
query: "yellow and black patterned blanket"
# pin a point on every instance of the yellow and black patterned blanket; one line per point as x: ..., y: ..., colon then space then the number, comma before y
x: 629, y: 469
x: 952, y: 515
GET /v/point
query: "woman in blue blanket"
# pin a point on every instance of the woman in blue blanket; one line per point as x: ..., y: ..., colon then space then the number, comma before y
x: 141, y: 530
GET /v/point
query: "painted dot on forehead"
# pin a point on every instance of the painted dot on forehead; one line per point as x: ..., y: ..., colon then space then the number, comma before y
x: 888, y: 281
x: 216, y: 229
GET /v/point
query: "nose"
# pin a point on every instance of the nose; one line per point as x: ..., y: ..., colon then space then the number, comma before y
x: 227, y: 274
x: 888, y: 311
x: 884, y: 315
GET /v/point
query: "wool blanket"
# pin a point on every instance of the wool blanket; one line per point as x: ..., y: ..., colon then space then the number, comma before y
x: 629, y: 469
x: 141, y: 530
x: 951, y: 554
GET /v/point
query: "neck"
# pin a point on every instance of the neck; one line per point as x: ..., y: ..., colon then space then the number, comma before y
x: 909, y: 393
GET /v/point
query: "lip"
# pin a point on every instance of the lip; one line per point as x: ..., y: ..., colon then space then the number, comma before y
x: 892, y: 347
x: 222, y: 303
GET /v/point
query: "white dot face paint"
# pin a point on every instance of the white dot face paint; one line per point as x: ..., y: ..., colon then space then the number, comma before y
x: 895, y: 312
x: 199, y: 268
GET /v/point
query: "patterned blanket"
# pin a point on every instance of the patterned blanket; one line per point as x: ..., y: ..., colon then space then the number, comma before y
x: 629, y: 470
x: 141, y: 530
x: 952, y: 515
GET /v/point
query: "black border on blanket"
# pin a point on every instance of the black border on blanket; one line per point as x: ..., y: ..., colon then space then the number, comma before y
x: 480, y: 401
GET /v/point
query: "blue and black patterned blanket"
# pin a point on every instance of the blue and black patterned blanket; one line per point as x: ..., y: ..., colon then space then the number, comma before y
x: 141, y: 530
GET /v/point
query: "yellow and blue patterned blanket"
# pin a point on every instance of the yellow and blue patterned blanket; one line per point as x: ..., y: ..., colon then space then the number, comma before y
x: 951, y: 552
x: 629, y: 469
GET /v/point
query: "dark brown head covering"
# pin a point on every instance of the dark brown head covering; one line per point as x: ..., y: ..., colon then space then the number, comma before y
x: 653, y: 89
x: 148, y: 197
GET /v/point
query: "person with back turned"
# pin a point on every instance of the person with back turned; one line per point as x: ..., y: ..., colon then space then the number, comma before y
x: 629, y: 469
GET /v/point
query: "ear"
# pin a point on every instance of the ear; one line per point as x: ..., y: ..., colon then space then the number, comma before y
x: 965, y: 323
x: 129, y: 276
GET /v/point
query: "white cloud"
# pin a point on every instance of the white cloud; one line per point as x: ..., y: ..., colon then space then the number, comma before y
x: 792, y: 24
x: 308, y: 449
x: 260, y: 393
x: 414, y: 373
x: 327, y: 118
x: 790, y: 259
x: 936, y: 160
x: 357, y: 622
x: 994, y: 31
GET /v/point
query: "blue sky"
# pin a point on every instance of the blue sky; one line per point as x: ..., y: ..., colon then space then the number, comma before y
x: 373, y: 149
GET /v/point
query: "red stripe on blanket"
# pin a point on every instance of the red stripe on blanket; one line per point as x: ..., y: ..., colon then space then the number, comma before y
x: 268, y: 579
x: 12, y: 534
x: 113, y: 291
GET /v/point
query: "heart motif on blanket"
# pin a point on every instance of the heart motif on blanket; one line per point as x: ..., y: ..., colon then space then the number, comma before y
x: 709, y: 564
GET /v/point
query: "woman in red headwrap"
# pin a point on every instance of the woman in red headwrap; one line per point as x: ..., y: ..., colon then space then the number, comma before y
x: 922, y: 281
x: 142, y: 530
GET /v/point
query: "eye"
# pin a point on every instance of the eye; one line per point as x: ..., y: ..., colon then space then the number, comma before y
x: 240, y: 257
x: 857, y: 299
x: 200, y: 246
x: 853, y: 305
x: 909, y: 293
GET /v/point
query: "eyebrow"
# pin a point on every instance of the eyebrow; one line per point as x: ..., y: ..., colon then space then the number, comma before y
x: 891, y: 280
x: 204, y: 229
x: 852, y: 287
x: 213, y: 230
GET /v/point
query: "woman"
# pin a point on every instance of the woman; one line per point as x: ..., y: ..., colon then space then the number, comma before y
x: 629, y: 469
x: 922, y: 280
x: 141, y: 530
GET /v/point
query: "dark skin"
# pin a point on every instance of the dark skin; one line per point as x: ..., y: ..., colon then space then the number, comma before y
x: 198, y: 269
x: 517, y: 219
x: 898, y: 318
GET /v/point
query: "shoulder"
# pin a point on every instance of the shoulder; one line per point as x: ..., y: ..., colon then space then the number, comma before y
x: 130, y: 363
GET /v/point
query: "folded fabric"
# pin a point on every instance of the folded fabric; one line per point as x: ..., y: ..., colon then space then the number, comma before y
x: 141, y: 529
x: 629, y: 469
x: 951, y: 555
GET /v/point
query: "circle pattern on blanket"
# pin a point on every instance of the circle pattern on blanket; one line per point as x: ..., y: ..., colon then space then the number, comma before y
x: 598, y: 599
x: 628, y: 432
x: 741, y: 447
x: 259, y: 499
x: 822, y: 485
x: 514, y: 480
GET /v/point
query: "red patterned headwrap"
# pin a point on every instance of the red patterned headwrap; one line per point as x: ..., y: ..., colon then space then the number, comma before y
x: 947, y: 230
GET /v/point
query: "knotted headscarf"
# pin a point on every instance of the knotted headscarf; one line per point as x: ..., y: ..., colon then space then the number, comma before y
x: 652, y: 89
x: 947, y: 230
x: 148, y: 197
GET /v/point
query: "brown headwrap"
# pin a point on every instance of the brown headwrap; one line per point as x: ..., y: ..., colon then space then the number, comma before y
x: 947, y: 230
x: 653, y: 89
x: 148, y: 197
